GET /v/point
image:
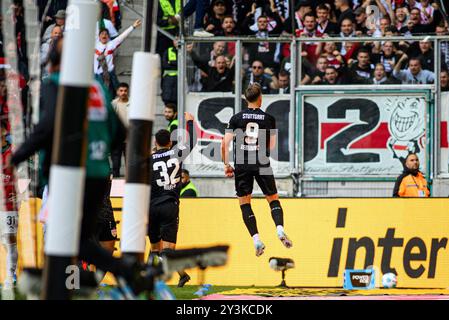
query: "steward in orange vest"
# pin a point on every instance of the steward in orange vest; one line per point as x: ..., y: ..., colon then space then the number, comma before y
x: 411, y: 183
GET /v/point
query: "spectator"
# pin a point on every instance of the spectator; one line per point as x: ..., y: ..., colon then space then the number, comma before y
x: 318, y: 72
x: 381, y: 76
x: 262, y: 25
x: 444, y: 80
x: 267, y: 52
x: 388, y: 57
x: 385, y: 26
x: 362, y: 70
x: 427, y: 12
x: 331, y: 76
x: 121, y: 107
x: 218, y: 49
x: 302, y: 8
x: 281, y: 83
x: 333, y: 56
x: 228, y: 29
x: 310, y: 50
x: 347, y: 31
x: 361, y: 18
x: 414, y: 25
x: 56, y: 33
x: 169, y: 83
x: 411, y: 183
x: 423, y: 50
x: 401, y: 15
x: 258, y: 74
x: 230, y: 60
x: 441, y: 30
x: 261, y: 8
x: 104, y: 67
x: 345, y: 11
x: 59, y: 21
x: 53, y: 8
x: 414, y: 74
x: 188, y: 189
x: 219, y: 77
x: 214, y: 20
x: 324, y: 25
x: 121, y: 102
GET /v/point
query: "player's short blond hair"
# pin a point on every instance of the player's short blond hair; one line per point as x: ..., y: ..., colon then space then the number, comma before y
x: 253, y: 92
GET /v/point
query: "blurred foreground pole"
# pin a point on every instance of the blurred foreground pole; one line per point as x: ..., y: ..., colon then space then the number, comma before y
x: 144, y: 82
x: 67, y: 172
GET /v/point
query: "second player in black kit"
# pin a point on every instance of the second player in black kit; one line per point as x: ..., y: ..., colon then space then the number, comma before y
x: 166, y: 164
x: 254, y: 135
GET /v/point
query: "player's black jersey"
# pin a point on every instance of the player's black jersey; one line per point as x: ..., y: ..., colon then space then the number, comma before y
x: 252, y: 129
x: 166, y: 165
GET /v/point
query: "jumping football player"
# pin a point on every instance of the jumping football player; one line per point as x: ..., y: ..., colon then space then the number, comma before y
x: 254, y: 135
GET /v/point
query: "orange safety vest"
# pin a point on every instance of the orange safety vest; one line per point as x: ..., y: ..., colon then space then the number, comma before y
x: 414, y: 186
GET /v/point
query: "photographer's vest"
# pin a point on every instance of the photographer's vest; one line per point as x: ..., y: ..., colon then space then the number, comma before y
x: 168, y: 11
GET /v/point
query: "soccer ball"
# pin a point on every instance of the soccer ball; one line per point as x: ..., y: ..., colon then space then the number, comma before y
x: 389, y: 280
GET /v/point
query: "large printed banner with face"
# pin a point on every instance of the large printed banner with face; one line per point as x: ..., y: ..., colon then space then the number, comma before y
x: 351, y: 135
x: 212, y: 113
x: 444, y: 144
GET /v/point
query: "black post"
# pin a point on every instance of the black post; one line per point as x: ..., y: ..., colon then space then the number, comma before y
x: 67, y: 172
x: 292, y: 17
x: 147, y: 38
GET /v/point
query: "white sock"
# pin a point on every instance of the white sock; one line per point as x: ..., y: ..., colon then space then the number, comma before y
x: 256, y: 238
x: 11, y: 259
x: 280, y: 230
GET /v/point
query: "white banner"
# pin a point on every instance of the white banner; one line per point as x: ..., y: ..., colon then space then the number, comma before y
x: 212, y: 113
x: 369, y: 135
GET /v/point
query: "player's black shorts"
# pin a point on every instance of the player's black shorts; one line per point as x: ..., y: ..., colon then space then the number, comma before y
x: 164, y: 222
x: 244, y: 181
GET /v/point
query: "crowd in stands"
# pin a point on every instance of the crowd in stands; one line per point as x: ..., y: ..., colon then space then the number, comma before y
x: 327, y: 63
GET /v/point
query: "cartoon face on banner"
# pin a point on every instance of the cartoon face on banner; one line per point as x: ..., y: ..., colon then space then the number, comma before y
x: 362, y: 136
x: 405, y: 122
x: 407, y: 127
x: 213, y: 112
